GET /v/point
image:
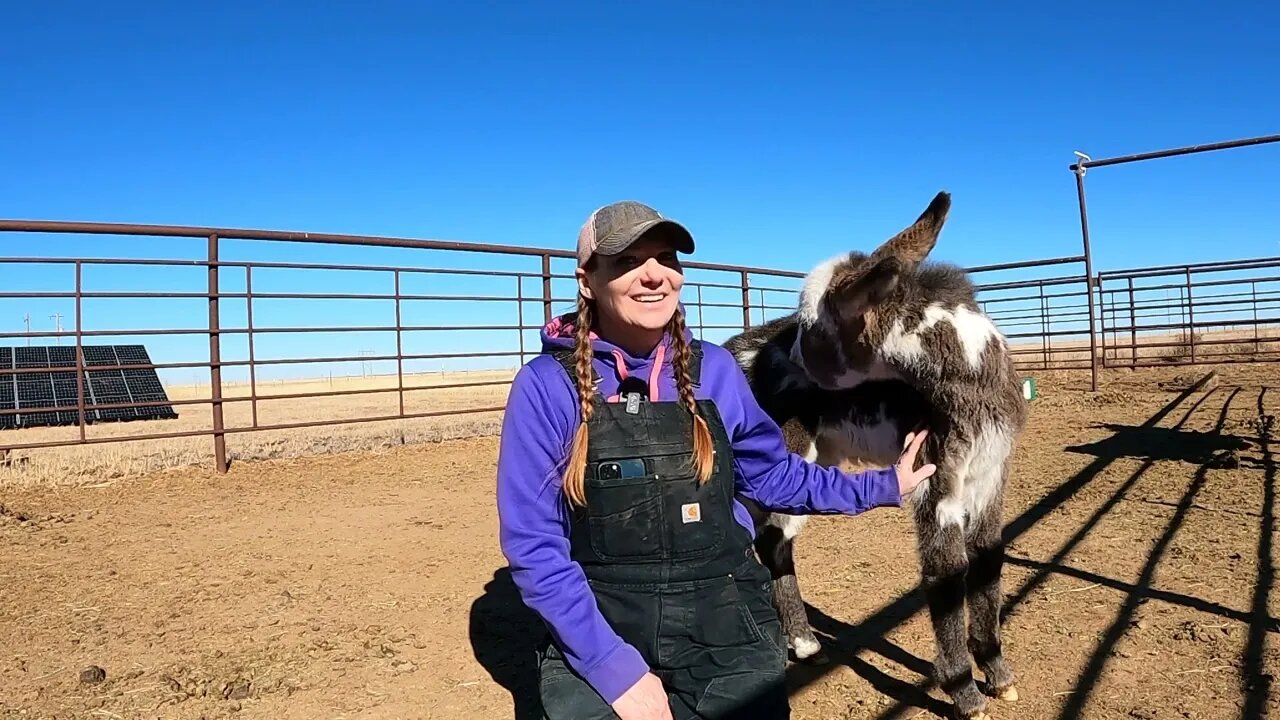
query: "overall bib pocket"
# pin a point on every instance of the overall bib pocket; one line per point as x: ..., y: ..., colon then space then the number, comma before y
x: 697, y: 516
x: 625, y: 518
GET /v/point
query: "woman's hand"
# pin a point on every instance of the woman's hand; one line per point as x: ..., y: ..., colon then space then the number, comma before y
x: 646, y: 700
x: 908, y: 476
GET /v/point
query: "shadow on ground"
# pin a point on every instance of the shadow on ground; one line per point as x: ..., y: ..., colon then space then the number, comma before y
x: 505, y: 635
x: 1146, y: 442
x: 1157, y: 443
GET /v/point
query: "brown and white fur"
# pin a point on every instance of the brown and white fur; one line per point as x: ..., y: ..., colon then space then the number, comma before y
x: 881, y: 345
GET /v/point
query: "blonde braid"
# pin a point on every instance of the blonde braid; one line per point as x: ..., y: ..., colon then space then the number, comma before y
x: 574, y: 474
x: 702, y: 444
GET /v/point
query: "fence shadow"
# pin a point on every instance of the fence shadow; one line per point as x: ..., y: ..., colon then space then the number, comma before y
x: 1159, y: 443
x: 1092, y: 673
x: 1254, y: 679
x: 870, y: 633
x: 505, y: 635
x: 841, y: 642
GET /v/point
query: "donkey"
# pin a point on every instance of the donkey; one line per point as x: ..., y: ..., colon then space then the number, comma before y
x: 882, y: 345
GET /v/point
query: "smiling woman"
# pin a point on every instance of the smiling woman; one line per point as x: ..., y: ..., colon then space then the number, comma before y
x: 624, y: 446
x: 636, y: 288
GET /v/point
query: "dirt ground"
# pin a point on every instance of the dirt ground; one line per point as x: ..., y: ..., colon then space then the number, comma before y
x: 370, y: 584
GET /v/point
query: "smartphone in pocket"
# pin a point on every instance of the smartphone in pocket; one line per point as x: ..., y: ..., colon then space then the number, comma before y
x: 626, y: 469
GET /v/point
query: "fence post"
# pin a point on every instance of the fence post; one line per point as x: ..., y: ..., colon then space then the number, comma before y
x: 253, y: 372
x: 701, y: 322
x: 520, y: 314
x: 1046, y: 353
x: 1089, y: 280
x: 546, y: 288
x: 1133, y: 329
x: 1253, y: 289
x: 1106, y: 311
x: 215, y: 361
x: 746, y: 299
x: 80, y: 375
x: 1191, y: 319
x: 399, y: 349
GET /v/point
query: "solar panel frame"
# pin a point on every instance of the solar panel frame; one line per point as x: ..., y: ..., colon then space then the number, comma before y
x: 99, y: 355
x: 132, y: 355
x: 109, y: 389
x: 35, y: 390
x: 144, y: 386
x: 63, y: 383
x: 8, y: 390
x: 57, y: 388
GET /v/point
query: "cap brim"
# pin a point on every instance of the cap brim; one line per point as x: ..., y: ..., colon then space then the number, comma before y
x: 681, y: 239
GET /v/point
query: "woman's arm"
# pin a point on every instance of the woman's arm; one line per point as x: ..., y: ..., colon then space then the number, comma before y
x: 534, y: 528
x: 783, y: 481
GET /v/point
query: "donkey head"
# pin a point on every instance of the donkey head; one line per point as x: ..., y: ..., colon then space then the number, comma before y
x: 849, y: 301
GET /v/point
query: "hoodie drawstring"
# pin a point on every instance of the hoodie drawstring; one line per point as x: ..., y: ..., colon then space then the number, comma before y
x: 653, y: 372
x: 622, y: 371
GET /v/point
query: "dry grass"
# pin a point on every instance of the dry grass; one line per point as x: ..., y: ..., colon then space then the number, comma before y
x: 1175, y: 347
x: 91, y: 464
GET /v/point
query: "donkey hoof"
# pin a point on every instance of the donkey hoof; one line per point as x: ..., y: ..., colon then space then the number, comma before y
x: 1009, y: 694
x: 977, y: 715
x: 808, y: 650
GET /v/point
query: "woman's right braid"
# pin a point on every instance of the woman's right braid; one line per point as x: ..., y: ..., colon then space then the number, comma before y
x: 574, y: 475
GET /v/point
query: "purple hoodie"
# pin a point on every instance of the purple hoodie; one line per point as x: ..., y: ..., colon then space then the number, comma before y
x: 538, y: 426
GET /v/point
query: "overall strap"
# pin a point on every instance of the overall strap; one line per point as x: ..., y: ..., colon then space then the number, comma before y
x: 570, y: 365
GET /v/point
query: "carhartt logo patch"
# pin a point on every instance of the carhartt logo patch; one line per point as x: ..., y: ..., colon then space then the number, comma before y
x: 691, y: 512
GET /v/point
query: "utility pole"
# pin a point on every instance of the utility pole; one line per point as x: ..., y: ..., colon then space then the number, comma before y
x: 57, y: 318
x: 27, y: 319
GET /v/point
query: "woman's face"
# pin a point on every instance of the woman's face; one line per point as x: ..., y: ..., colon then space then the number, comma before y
x: 636, y: 291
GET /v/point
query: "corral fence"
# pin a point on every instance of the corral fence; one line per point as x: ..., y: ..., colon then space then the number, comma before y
x: 1045, y: 307
x: 1172, y: 353
x: 1203, y: 314
x: 722, y: 300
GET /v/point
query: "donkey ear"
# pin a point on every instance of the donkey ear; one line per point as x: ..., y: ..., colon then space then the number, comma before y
x: 851, y: 299
x: 913, y: 244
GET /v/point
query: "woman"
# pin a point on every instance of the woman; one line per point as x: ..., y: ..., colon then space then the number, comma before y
x: 622, y: 448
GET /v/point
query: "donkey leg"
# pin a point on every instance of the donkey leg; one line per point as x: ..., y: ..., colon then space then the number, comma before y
x: 986, y: 564
x: 775, y: 543
x: 944, y: 564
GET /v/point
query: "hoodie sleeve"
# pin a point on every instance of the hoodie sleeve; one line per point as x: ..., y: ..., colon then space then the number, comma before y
x: 534, y: 534
x: 783, y: 481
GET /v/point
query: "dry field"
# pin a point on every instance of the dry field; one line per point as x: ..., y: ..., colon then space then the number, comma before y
x: 369, y: 584
x: 88, y: 465
x: 1211, y: 346
x: 94, y: 464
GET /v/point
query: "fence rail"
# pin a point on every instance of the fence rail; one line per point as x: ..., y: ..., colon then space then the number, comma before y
x: 1191, y: 314
x: 1049, y: 320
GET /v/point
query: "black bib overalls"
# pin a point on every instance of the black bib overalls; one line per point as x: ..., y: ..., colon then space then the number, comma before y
x: 672, y: 571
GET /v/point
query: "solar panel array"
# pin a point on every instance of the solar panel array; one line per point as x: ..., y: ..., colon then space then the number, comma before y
x: 33, y: 394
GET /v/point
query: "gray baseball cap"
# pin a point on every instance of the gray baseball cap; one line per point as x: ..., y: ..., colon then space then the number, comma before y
x: 613, y: 228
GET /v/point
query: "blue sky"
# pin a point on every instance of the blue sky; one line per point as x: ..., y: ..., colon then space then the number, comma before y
x: 781, y: 134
